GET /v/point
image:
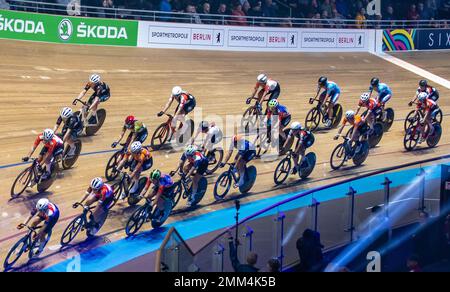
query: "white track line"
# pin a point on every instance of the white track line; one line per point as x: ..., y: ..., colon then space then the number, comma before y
x: 414, y: 69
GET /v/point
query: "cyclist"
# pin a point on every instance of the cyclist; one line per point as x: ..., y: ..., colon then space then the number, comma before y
x: 429, y: 90
x: 246, y: 152
x: 284, y: 117
x: 72, y: 128
x: 373, y: 108
x: 267, y: 89
x: 46, y: 212
x: 330, y: 90
x: 53, y: 146
x: 196, y: 162
x: 161, y: 191
x: 138, y: 131
x: 360, y: 128
x: 213, y: 133
x: 139, y: 159
x: 101, y: 94
x: 186, y: 104
x: 383, y: 90
x: 429, y: 108
x: 100, y: 192
x: 305, y: 139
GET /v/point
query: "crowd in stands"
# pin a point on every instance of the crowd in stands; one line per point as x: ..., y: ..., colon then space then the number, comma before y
x: 325, y: 13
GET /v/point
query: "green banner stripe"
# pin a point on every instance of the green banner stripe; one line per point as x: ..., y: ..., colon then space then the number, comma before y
x: 66, y: 29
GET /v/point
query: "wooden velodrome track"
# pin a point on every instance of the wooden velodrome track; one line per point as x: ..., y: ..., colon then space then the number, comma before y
x: 38, y: 79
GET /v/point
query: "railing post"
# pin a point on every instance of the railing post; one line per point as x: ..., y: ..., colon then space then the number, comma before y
x: 218, y: 258
x: 351, y: 216
x: 387, y: 194
x: 248, y: 237
x: 315, y: 212
x: 278, y: 251
x: 421, y: 174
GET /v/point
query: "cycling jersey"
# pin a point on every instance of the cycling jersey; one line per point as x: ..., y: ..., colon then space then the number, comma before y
x: 137, y: 127
x: 215, y: 134
x: 105, y: 193
x: 382, y: 88
x: 73, y: 123
x: 51, y: 213
x: 357, y: 121
x: 164, y: 182
x: 431, y: 91
x: 100, y: 90
x: 428, y: 105
x: 372, y: 104
x: 196, y: 160
x: 184, y: 98
x: 269, y: 86
x: 143, y: 156
x: 332, y: 88
x: 280, y: 110
x: 50, y: 146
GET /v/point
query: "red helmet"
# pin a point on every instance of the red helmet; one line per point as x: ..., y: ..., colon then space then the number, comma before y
x: 130, y: 120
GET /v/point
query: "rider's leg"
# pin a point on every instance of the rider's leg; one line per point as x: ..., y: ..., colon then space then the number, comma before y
x: 195, y: 181
x: 240, y: 165
x: 93, y: 108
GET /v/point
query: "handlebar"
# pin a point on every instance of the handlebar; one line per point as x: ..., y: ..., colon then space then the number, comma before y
x: 74, y: 102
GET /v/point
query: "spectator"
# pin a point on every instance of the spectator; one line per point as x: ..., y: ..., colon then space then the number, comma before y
x: 389, y: 15
x: 193, y: 15
x: 246, y: 7
x: 273, y: 266
x: 270, y: 9
x: 206, y: 9
x: 413, y: 264
x: 312, y: 9
x: 423, y: 12
x: 337, y: 19
x: 412, y: 13
x: 310, y: 251
x: 361, y: 18
x: 326, y: 6
x: 252, y: 258
x: 165, y: 6
x: 256, y: 10
x: 239, y: 14
x: 222, y: 12
x: 4, y: 4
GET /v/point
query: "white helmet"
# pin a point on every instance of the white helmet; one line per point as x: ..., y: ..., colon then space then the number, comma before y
x: 48, y: 135
x: 350, y: 115
x: 262, y: 78
x: 422, y: 96
x: 296, y: 126
x: 190, y: 150
x: 364, y: 97
x: 176, y: 90
x: 97, y: 183
x: 136, y: 147
x: 94, y: 78
x: 66, y: 112
x: 272, y: 84
x: 42, y: 204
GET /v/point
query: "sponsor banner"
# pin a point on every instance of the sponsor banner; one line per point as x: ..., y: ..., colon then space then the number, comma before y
x: 399, y: 40
x: 433, y: 39
x: 61, y: 29
x: 264, y: 39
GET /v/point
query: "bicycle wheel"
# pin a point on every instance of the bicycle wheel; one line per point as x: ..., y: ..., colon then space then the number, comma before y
x: 377, y: 135
x: 222, y: 185
x: 310, y: 160
x: 168, y: 207
x: 282, y: 171
x: 15, y: 253
x: 411, y: 120
x: 362, y: 154
x: 249, y: 119
x: 433, y: 140
x: 438, y: 118
x: 177, y: 191
x: 337, y: 115
x: 101, y: 116
x: 411, y: 138
x: 117, y: 192
x: 35, y: 250
x: 215, y: 157
x: 72, y: 230
x: 110, y: 174
x: 312, y: 119
x: 136, y: 220
x: 338, y: 157
x: 250, y: 178
x: 160, y: 136
x: 21, y: 182
x: 135, y: 198
x: 390, y: 116
x: 68, y: 163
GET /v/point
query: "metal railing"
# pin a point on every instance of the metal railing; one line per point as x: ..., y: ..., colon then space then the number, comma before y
x: 341, y: 220
x: 75, y: 9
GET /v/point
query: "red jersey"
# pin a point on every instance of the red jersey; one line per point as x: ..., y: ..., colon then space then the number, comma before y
x: 51, y: 145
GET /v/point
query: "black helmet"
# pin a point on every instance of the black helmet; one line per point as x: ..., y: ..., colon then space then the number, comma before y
x: 423, y: 83
x: 204, y: 125
x: 375, y: 81
x: 322, y: 80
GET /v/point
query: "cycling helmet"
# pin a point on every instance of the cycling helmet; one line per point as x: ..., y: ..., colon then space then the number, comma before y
x: 423, y: 83
x: 422, y: 96
x: 262, y: 78
x: 296, y: 126
x: 136, y: 147
x: 204, y: 125
x: 364, y: 97
x: 66, y: 113
x: 322, y: 81
x: 42, y: 205
x: 349, y: 115
x: 190, y: 150
x: 375, y: 81
x: 94, y: 78
x: 129, y: 121
x: 273, y: 103
x: 176, y: 91
x: 155, y: 174
x: 48, y: 135
x: 97, y: 183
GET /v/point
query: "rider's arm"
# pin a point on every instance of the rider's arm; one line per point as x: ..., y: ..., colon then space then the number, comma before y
x: 168, y: 104
x: 82, y: 93
x: 288, y: 140
x: 191, y: 171
x: 194, y: 137
x: 67, y: 135
x: 122, y: 162
x: 230, y: 152
x: 357, y: 111
x: 33, y: 148
x: 86, y: 195
x: 137, y: 168
x: 254, y: 91
x: 57, y: 124
x: 426, y: 116
x: 122, y: 134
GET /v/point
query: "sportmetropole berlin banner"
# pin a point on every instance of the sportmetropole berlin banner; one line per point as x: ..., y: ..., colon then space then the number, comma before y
x: 65, y: 29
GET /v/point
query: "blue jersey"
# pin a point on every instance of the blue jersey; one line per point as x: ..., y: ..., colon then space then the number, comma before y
x: 332, y: 88
x: 244, y: 145
x: 197, y: 159
x: 382, y: 88
x: 165, y: 181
